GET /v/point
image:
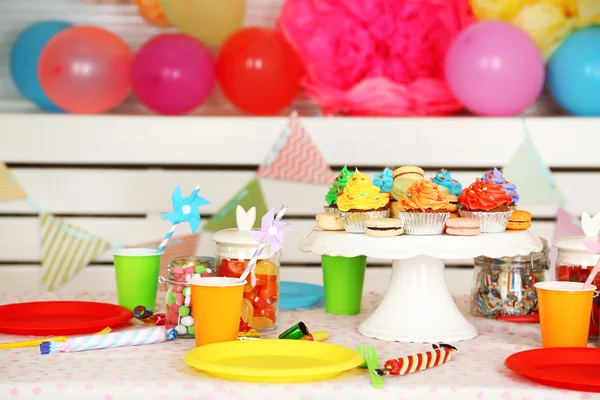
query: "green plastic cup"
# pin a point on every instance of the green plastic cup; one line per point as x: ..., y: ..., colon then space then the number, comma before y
x: 343, y: 280
x: 137, y: 277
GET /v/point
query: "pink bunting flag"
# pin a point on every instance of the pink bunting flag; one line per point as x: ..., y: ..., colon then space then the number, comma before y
x: 567, y: 225
x: 296, y: 158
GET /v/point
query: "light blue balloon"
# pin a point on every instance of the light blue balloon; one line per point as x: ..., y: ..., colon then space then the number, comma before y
x: 24, y: 57
x: 574, y: 73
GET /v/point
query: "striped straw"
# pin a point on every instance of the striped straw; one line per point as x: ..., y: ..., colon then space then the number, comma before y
x: 260, y: 248
x: 169, y: 235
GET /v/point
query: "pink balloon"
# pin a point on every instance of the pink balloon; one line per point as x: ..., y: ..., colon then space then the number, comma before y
x: 85, y: 70
x: 495, y: 69
x: 173, y: 73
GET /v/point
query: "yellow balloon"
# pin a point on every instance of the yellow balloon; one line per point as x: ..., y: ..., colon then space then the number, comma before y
x: 547, y: 24
x: 210, y: 21
x: 503, y: 10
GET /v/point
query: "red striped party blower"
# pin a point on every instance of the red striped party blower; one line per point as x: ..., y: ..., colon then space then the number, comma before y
x: 440, y: 354
x: 271, y: 232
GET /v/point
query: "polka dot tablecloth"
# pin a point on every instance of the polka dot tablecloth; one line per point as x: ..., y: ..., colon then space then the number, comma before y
x: 158, y: 372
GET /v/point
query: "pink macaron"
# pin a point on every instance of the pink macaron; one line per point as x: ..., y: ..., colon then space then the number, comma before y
x: 463, y: 227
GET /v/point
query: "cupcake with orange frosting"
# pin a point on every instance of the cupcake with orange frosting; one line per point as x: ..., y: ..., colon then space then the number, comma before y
x: 360, y: 201
x: 424, y: 209
x: 489, y: 203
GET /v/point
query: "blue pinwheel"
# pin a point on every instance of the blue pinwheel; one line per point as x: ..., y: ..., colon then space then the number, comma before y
x: 185, y: 209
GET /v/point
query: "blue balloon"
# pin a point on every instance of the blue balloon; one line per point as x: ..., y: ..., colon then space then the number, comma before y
x: 574, y: 73
x: 24, y: 57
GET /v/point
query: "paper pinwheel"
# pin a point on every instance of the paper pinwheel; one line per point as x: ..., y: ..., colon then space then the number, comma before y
x: 271, y: 231
x: 185, y: 209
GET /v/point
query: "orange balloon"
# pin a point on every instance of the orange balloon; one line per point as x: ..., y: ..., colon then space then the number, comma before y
x: 152, y: 11
x: 85, y: 70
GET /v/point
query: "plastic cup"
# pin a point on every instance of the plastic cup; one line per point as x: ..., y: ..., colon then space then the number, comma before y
x: 137, y: 277
x: 343, y: 280
x: 565, y: 309
x: 216, y: 308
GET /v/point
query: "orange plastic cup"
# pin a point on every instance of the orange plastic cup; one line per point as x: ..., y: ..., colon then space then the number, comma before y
x: 216, y: 308
x: 565, y: 309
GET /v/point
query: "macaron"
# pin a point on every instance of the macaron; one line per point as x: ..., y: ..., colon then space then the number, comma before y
x: 519, y: 220
x: 409, y: 171
x: 329, y: 222
x: 453, y: 207
x: 394, y: 209
x: 384, y: 227
x: 463, y: 227
x: 404, y: 177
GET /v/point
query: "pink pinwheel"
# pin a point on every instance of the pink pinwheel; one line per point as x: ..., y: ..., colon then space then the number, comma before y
x: 272, y: 231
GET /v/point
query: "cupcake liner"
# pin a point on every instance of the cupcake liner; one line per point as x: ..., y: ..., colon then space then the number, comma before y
x: 423, y: 223
x: 331, y: 210
x: 354, y: 221
x: 491, y: 222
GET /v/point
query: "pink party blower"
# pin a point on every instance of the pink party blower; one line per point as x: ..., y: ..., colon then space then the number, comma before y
x: 173, y: 74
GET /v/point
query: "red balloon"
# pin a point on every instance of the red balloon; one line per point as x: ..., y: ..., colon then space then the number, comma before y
x: 258, y: 71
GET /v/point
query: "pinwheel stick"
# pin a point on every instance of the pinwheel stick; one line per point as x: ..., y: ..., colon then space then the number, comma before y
x: 169, y: 235
x: 591, y: 276
x: 260, y: 248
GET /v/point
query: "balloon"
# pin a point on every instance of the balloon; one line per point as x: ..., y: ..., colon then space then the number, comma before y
x: 210, y: 21
x: 24, y: 57
x: 173, y: 73
x: 495, y: 69
x: 259, y: 71
x: 85, y: 70
x: 152, y: 11
x: 574, y: 73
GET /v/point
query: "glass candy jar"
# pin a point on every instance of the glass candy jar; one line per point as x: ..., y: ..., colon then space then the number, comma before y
x: 574, y: 262
x: 235, y: 248
x: 178, y: 313
x: 504, y: 286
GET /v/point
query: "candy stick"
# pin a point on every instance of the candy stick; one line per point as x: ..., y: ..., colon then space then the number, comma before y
x: 118, y: 339
x: 163, y: 244
x: 418, y: 362
x: 260, y: 248
x: 591, y: 276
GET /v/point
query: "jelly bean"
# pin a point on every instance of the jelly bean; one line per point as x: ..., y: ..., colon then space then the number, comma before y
x: 173, y: 318
x: 179, y: 288
x: 177, y: 271
x: 187, y: 291
x: 181, y: 330
x: 174, y: 308
x: 190, y: 270
x: 179, y: 299
x: 187, y: 301
x: 191, y: 330
x: 187, y: 321
x: 171, y: 299
x: 184, y: 311
x: 199, y: 269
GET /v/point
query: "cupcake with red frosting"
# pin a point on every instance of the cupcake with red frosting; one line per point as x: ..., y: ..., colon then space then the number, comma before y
x: 487, y: 202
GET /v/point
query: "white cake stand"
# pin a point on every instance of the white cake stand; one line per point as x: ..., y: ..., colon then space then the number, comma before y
x: 418, y: 306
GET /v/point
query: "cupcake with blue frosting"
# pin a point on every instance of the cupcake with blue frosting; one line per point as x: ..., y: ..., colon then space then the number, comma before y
x: 384, y: 180
x: 446, y: 184
x: 496, y: 176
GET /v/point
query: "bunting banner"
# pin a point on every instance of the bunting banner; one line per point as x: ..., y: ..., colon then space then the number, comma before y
x: 179, y: 246
x: 249, y: 196
x: 66, y: 250
x: 296, y: 158
x: 9, y: 187
x: 533, y: 178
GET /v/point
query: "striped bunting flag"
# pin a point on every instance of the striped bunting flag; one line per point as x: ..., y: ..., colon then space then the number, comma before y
x: 9, y: 187
x: 66, y: 250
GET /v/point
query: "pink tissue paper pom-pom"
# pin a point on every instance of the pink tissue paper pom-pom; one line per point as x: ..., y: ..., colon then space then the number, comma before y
x: 376, y: 57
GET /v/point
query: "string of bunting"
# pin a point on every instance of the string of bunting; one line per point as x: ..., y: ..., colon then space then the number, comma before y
x: 66, y: 248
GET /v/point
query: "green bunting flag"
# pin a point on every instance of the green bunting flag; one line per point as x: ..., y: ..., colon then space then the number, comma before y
x: 250, y: 196
x: 66, y: 250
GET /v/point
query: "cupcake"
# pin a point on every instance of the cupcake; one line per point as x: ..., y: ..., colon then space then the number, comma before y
x: 424, y: 209
x: 404, y: 177
x: 361, y: 201
x: 444, y: 180
x: 336, y: 190
x: 487, y: 202
x: 384, y: 180
x: 496, y: 176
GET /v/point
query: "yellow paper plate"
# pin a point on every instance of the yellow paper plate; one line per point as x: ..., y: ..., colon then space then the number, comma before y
x: 273, y: 360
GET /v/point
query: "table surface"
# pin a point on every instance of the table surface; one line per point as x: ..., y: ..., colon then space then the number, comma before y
x: 157, y: 371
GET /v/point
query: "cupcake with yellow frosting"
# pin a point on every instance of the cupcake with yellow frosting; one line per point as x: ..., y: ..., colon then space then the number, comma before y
x: 424, y: 209
x: 361, y: 201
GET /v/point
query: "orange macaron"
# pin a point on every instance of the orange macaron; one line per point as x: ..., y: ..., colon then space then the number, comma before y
x: 519, y: 220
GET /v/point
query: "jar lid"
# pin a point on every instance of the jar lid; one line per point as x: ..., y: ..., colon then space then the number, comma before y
x: 540, y: 258
x: 574, y: 244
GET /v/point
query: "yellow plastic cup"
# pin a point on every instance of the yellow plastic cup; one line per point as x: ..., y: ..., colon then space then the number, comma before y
x: 216, y: 308
x: 565, y: 309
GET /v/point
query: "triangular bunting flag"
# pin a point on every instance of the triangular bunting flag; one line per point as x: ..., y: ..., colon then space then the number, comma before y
x: 181, y: 246
x: 567, y: 225
x: 66, y: 250
x: 533, y: 178
x: 296, y: 158
x: 9, y: 187
x: 250, y: 196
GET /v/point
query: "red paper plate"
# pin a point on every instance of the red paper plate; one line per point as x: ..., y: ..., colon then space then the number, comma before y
x: 60, y: 317
x: 575, y: 368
